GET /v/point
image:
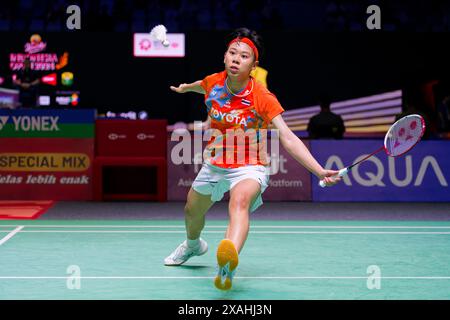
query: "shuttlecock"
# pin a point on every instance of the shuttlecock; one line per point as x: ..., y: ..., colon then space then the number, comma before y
x: 159, y: 33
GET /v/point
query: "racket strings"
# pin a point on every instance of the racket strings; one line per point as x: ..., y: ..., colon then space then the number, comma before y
x: 404, y: 134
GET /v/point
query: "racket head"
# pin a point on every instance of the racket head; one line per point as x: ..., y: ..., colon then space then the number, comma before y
x: 403, y: 135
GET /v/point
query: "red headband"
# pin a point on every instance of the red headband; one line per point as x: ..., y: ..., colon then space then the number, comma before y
x: 249, y: 43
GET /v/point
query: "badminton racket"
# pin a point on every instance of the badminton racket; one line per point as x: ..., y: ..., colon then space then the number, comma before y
x: 401, y: 137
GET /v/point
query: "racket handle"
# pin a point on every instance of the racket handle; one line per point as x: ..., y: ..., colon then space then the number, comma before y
x: 341, y: 173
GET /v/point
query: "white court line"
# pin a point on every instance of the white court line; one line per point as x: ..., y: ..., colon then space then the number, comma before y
x: 212, y: 277
x: 252, y: 227
x: 10, y: 234
x: 251, y: 232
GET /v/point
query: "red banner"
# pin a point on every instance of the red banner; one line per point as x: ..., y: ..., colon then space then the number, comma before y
x: 46, y: 169
x: 139, y: 138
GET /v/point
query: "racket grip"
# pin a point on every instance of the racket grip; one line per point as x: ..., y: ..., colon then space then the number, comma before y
x: 341, y: 173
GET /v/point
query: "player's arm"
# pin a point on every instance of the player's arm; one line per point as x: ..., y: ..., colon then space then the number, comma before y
x: 300, y: 152
x: 189, y: 87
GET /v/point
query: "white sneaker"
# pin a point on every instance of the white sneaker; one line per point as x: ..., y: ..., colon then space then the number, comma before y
x: 183, y: 253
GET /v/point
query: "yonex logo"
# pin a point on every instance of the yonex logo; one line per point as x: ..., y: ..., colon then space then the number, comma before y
x: 32, y: 123
x: 3, y: 121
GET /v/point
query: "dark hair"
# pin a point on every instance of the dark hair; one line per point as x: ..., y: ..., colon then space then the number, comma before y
x: 324, y: 101
x: 247, y: 33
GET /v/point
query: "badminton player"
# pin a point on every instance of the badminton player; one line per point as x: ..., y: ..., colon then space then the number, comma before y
x: 235, y: 101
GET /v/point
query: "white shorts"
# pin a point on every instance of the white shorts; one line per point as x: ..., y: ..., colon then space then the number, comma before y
x: 216, y: 181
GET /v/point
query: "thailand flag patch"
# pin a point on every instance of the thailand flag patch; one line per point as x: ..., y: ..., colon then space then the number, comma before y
x: 246, y: 102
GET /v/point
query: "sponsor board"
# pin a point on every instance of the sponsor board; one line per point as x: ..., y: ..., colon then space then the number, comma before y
x: 46, y: 154
x: 423, y: 174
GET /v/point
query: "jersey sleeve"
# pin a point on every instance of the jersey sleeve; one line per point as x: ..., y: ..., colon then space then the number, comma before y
x: 209, y: 81
x: 268, y: 106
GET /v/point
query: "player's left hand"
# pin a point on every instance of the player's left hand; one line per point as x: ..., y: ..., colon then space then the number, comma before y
x: 182, y: 88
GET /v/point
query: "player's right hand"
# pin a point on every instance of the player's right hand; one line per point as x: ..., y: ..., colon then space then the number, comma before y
x: 182, y: 88
x: 330, y: 177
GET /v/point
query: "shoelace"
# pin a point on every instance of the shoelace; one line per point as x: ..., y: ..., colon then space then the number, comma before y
x: 182, y: 249
x: 178, y: 251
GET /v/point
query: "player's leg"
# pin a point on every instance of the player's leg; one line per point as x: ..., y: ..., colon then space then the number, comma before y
x: 196, y: 207
x: 242, y: 196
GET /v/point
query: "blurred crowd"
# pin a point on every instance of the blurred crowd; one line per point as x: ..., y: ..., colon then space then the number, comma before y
x: 193, y: 15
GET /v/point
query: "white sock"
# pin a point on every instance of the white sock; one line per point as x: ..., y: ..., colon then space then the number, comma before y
x: 193, y: 243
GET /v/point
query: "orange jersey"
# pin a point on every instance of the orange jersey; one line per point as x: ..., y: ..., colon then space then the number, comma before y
x: 237, y: 122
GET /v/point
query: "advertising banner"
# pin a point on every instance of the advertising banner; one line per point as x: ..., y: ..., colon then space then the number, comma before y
x: 46, y: 154
x: 423, y: 174
x: 146, y: 47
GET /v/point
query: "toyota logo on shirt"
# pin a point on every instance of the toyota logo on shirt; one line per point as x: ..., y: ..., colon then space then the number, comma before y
x: 143, y: 136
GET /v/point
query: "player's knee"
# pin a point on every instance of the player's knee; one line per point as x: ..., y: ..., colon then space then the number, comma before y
x: 189, y: 211
x: 240, y: 202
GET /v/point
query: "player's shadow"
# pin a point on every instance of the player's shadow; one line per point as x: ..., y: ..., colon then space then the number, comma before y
x: 195, y: 267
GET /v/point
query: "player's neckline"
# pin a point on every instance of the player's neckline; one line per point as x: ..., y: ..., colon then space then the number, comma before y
x: 246, y: 93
